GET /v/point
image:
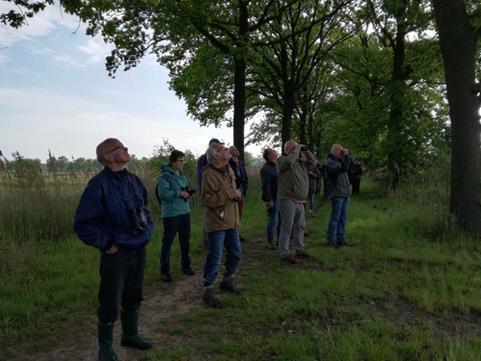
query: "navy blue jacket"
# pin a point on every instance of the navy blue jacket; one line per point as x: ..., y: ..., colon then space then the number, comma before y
x: 241, y: 178
x: 269, y: 181
x: 201, y: 165
x: 104, y: 214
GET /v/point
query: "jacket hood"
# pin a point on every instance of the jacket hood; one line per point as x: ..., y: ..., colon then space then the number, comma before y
x: 167, y: 168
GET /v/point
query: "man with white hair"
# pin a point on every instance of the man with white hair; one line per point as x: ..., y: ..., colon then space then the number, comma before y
x: 336, y: 167
x: 293, y: 187
x: 112, y: 217
x: 201, y: 165
x: 220, y: 196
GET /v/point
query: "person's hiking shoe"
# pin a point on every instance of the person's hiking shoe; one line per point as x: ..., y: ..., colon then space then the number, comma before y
x: 165, y: 277
x: 289, y: 259
x: 130, y: 334
x: 209, y: 298
x: 302, y: 254
x: 227, y: 285
x: 188, y: 271
x: 343, y: 244
x: 332, y: 244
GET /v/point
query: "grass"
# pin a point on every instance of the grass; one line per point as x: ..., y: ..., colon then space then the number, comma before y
x: 407, y: 290
x: 49, y: 285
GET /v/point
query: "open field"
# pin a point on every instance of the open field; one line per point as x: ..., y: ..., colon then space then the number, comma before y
x: 408, y: 289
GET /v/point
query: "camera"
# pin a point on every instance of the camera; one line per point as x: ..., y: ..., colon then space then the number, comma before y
x: 189, y: 190
x: 138, y: 218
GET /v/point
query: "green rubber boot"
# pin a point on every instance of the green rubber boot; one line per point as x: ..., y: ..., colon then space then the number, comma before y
x: 130, y: 335
x: 105, y: 332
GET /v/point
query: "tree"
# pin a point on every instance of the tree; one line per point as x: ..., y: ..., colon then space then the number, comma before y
x: 295, y: 43
x: 459, y: 27
x: 393, y: 21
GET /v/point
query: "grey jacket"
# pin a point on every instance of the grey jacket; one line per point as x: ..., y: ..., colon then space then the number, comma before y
x: 293, y: 177
x: 337, y: 180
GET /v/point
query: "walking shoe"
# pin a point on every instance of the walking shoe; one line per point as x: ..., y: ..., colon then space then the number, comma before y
x: 188, y: 271
x: 343, y: 244
x: 332, y: 244
x: 165, y: 277
x: 302, y: 254
x: 209, y: 298
x: 269, y: 245
x: 227, y: 285
x: 289, y: 259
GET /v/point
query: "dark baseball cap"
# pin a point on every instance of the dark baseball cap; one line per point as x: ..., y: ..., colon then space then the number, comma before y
x: 215, y: 140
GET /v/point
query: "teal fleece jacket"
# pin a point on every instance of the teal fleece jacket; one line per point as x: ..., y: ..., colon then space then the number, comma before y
x: 169, y: 187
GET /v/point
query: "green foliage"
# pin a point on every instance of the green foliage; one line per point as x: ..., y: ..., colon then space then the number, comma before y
x: 21, y: 11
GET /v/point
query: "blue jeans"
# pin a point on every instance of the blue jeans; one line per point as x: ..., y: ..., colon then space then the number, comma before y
x: 337, y: 221
x: 273, y: 222
x: 217, y: 241
x: 173, y: 225
x: 312, y: 196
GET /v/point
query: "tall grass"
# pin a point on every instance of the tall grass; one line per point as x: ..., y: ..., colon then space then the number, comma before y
x: 48, y: 278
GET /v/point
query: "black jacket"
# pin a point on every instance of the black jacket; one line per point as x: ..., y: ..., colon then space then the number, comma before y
x: 337, y: 181
x: 269, y: 181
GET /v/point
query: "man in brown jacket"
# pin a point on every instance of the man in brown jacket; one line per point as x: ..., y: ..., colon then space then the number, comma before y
x: 220, y: 197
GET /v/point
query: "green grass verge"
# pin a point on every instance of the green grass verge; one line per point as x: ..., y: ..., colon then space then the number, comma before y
x: 49, y: 289
x: 408, y: 289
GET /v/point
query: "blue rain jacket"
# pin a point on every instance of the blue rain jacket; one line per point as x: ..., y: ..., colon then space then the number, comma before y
x: 105, y: 213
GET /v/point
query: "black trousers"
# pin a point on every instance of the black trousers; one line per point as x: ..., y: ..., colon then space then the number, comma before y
x: 173, y: 225
x: 356, y: 185
x: 121, y: 283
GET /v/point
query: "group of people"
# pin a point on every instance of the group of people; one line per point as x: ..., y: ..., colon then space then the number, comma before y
x: 112, y: 216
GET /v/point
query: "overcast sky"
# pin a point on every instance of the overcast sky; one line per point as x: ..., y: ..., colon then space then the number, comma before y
x: 55, y: 94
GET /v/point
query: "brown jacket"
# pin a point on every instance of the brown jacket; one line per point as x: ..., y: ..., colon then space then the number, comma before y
x: 218, y: 190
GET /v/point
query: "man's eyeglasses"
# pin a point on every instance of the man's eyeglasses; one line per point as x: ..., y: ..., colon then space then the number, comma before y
x: 117, y: 147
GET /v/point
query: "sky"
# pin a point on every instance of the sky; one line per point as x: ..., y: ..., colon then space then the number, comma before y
x: 56, y: 95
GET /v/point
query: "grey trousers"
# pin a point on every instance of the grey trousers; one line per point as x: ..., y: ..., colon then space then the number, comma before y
x: 292, y: 222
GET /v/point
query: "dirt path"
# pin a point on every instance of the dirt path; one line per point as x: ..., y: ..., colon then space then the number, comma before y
x: 159, y: 306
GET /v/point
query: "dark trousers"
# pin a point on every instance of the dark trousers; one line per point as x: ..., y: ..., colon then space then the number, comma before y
x: 356, y: 185
x: 121, y: 283
x: 172, y: 226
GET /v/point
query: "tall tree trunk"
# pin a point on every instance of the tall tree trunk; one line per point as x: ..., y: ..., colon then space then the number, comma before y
x: 240, y: 67
x: 458, y: 44
x: 302, y: 127
x: 394, y: 137
x: 287, y: 112
x: 239, y: 104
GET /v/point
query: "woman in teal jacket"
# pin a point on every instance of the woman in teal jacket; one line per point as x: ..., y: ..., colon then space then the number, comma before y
x: 173, y: 192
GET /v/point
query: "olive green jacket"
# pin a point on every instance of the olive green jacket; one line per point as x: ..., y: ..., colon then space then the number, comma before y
x: 293, y: 176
